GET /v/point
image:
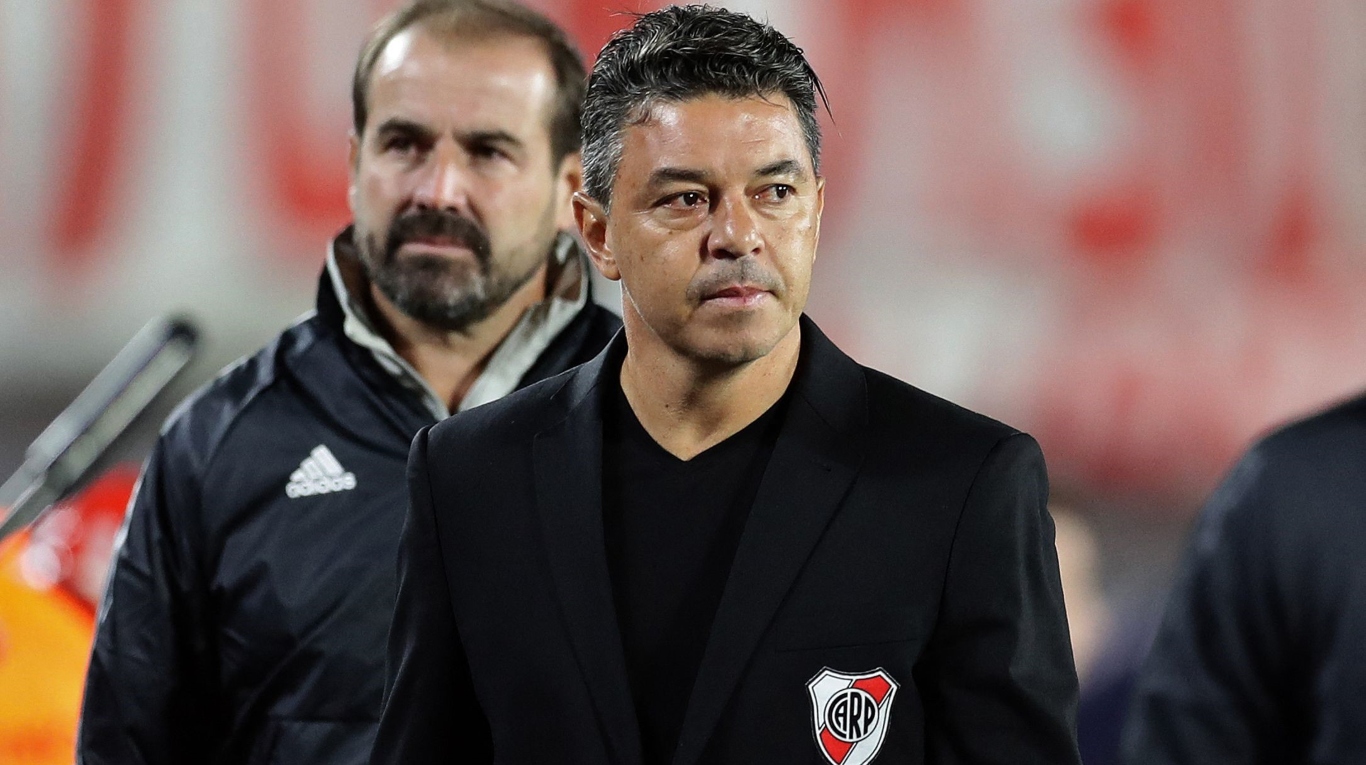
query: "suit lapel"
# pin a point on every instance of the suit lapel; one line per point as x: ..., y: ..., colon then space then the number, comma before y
x: 567, y: 460
x: 813, y: 464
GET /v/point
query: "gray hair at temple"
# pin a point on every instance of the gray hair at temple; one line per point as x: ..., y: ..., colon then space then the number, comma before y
x: 680, y: 53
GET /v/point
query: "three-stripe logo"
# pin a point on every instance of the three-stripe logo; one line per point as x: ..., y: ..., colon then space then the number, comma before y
x: 319, y: 473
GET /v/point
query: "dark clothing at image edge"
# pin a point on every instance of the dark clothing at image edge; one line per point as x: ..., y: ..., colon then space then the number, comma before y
x: 1259, y: 658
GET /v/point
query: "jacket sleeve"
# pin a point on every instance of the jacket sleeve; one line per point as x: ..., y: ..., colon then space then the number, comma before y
x: 147, y: 699
x: 998, y: 676
x: 430, y: 711
x: 1211, y: 688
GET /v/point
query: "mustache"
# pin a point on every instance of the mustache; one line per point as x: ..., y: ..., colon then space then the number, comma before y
x: 746, y: 271
x: 438, y: 224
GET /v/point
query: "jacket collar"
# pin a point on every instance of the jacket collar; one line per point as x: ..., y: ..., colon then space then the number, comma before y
x: 818, y: 452
x: 342, y: 294
x: 567, y: 459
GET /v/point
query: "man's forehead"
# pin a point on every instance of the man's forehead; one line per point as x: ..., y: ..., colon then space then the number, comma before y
x: 503, y: 78
x: 716, y: 135
x: 395, y: 53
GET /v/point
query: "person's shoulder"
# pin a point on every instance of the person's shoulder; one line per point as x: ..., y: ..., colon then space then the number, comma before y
x: 1313, y: 462
x: 913, y: 435
x: 1336, y: 431
x: 198, y: 426
x: 513, y: 419
x: 897, y: 407
x: 1301, y: 481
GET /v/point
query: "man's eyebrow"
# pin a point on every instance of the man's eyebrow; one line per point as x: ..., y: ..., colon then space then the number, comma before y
x: 490, y: 136
x: 401, y: 125
x: 788, y: 167
x: 665, y: 175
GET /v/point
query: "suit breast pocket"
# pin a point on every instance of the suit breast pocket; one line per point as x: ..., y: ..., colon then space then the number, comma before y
x: 842, y: 644
x: 848, y: 630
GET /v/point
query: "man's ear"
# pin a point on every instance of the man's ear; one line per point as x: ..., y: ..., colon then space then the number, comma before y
x: 352, y: 168
x: 591, y: 219
x: 820, y: 208
x: 568, y: 182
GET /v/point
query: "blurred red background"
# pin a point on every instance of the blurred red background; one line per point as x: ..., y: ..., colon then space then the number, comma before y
x: 1131, y: 227
x: 1125, y: 225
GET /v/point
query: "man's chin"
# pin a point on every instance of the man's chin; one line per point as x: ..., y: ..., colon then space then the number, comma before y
x: 447, y: 315
x: 731, y: 351
x: 442, y: 297
x: 735, y: 340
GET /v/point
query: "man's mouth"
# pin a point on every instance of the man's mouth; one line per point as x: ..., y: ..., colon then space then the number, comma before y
x: 440, y: 244
x: 738, y: 295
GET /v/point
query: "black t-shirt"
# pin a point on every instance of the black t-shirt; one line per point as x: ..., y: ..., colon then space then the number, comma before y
x: 671, y: 529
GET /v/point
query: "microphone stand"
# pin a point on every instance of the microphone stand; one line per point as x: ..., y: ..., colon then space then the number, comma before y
x: 60, y: 458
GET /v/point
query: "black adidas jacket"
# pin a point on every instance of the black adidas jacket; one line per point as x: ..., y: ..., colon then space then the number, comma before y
x: 246, y: 616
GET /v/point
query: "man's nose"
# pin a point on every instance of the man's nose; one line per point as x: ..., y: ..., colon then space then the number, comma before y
x: 444, y: 183
x: 735, y: 232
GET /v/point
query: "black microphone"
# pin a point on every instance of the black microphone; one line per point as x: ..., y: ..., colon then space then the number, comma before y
x: 63, y: 454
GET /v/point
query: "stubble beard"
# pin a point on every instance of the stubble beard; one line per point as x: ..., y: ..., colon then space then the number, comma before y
x: 744, y: 339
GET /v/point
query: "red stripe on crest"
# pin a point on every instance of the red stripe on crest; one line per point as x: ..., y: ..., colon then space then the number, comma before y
x: 837, y: 749
x: 874, y: 686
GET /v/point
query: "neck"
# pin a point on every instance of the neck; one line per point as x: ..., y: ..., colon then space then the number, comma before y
x: 451, y: 361
x: 688, y: 406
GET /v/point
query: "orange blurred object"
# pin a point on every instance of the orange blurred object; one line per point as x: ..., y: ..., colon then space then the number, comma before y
x: 51, y: 578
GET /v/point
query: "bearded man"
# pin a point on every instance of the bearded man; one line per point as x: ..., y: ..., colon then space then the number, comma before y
x: 246, y: 616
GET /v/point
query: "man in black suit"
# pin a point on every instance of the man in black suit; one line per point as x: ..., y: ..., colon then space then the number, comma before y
x: 722, y: 541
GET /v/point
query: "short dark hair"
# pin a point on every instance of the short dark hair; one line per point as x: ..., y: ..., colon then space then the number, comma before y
x: 680, y: 53
x: 478, y: 19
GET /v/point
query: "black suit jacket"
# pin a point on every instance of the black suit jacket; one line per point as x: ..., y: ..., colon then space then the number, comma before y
x: 892, y: 530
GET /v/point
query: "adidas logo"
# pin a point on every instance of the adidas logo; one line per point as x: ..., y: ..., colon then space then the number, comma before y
x: 320, y: 473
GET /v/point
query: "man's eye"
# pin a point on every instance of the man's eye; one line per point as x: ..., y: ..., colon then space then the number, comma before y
x: 400, y: 143
x: 779, y: 192
x: 488, y: 152
x: 686, y: 201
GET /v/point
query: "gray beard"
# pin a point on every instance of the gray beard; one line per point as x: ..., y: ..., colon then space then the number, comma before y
x: 444, y: 294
